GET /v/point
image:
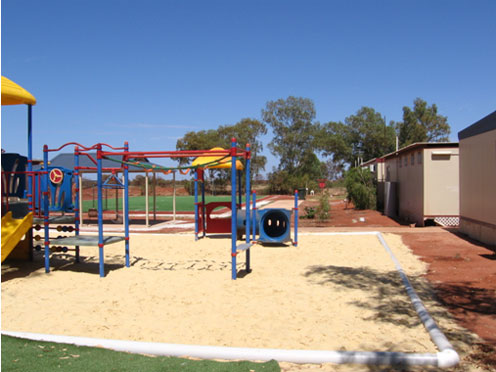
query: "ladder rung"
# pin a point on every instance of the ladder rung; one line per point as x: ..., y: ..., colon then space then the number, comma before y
x: 243, y: 247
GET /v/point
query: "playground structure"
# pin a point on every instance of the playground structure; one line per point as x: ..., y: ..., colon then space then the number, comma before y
x: 52, y: 191
x: 13, y: 231
x: 215, y: 157
x: 57, y: 188
x: 271, y: 225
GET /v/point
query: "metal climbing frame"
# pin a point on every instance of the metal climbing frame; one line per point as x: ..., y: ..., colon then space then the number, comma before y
x: 78, y: 240
x: 233, y: 153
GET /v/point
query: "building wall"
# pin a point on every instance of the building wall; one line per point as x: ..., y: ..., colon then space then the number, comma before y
x: 477, y: 187
x: 390, y: 169
x: 380, y: 171
x: 441, y: 175
x: 410, y: 187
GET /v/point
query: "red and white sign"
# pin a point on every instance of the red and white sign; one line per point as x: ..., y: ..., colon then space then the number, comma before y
x: 56, y: 176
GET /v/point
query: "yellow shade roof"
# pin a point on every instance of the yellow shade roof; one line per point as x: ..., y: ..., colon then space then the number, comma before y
x: 13, y: 94
x: 225, y: 164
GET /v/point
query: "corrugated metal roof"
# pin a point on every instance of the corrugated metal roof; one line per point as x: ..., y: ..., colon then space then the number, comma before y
x: 485, y: 124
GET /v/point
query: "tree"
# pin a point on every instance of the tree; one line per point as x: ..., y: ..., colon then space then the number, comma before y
x: 422, y: 124
x: 363, y: 135
x: 245, y: 131
x: 293, y: 129
x: 331, y: 170
x: 360, y: 188
x: 201, y: 140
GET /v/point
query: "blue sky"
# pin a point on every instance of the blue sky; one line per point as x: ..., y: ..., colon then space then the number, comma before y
x: 150, y: 71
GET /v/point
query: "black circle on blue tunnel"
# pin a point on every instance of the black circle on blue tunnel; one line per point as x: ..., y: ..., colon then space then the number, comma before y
x: 275, y: 223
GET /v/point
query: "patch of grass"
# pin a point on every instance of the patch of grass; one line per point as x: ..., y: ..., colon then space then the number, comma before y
x: 164, y: 203
x: 26, y: 355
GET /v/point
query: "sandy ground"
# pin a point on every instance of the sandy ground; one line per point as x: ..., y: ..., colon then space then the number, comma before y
x: 329, y: 293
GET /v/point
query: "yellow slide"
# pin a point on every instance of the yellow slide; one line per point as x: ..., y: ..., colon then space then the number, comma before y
x: 13, y: 230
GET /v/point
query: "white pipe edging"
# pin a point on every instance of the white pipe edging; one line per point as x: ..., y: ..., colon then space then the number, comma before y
x: 446, y: 357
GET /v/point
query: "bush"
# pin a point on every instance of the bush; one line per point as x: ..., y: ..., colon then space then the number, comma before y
x: 361, y: 188
x: 323, y: 207
x: 309, y: 213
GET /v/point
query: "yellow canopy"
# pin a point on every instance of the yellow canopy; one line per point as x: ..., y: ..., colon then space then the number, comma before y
x: 225, y: 164
x: 13, y: 94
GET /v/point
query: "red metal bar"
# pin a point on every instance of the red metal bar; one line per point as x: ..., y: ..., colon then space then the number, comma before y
x: 89, y: 157
x: 169, y: 154
x: 103, y: 169
x: 94, y: 147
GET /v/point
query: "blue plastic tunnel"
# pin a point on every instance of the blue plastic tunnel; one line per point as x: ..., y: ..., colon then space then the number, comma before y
x: 273, y: 225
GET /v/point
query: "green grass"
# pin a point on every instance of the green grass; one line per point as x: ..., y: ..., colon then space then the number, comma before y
x: 25, y: 355
x: 164, y: 203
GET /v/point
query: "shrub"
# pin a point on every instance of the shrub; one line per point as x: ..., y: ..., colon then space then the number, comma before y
x: 360, y: 188
x: 309, y: 213
x: 323, y: 207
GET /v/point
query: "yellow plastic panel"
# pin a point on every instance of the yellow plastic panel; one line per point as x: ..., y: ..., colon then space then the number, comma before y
x: 13, y: 230
x: 225, y: 164
x: 13, y: 94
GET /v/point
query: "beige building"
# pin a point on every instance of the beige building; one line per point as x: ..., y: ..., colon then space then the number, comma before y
x: 376, y: 166
x: 421, y: 184
x: 478, y: 180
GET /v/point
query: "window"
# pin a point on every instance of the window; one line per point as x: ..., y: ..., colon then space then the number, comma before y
x: 412, y: 159
x: 419, y: 157
x: 406, y: 160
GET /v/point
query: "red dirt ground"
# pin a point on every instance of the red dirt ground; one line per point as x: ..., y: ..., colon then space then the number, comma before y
x: 463, y: 273
x: 343, y: 214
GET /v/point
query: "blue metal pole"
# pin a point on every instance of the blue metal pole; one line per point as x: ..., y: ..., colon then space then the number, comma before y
x: 254, y: 221
x: 295, y: 243
x: 247, y: 206
x: 45, y: 209
x: 126, y: 205
x: 30, y: 158
x: 196, y: 204
x: 202, y: 172
x: 77, y: 212
x: 100, y: 210
x: 234, y: 212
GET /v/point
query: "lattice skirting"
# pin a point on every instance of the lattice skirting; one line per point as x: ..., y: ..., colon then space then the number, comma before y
x: 447, y: 221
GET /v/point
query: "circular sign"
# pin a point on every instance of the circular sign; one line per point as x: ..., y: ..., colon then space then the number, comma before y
x: 56, y: 176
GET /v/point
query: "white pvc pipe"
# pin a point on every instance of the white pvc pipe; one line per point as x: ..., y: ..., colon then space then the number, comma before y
x: 124, y: 211
x: 174, y: 195
x: 147, y: 218
x: 447, y: 357
x: 80, y: 206
x: 238, y: 353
